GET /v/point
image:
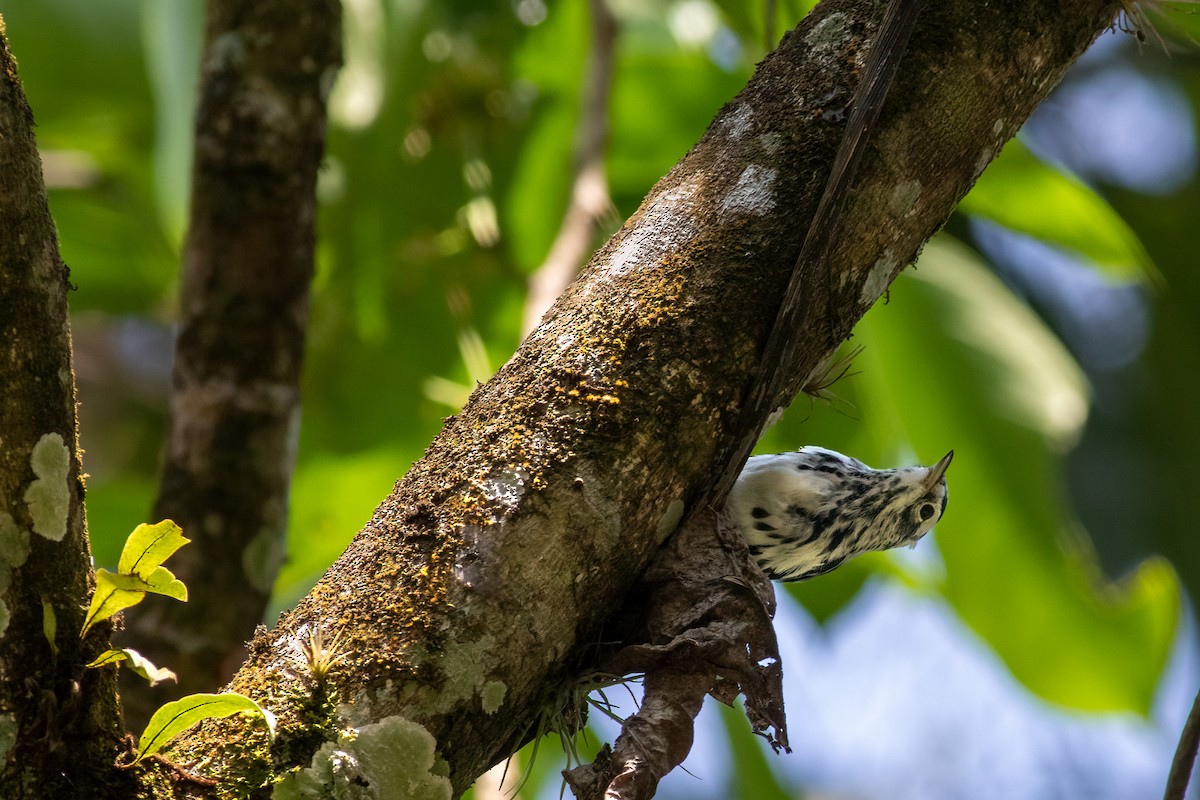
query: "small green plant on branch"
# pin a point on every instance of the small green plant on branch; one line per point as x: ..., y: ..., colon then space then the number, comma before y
x: 140, y: 571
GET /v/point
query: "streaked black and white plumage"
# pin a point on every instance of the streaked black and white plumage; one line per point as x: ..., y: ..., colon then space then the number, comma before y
x: 804, y: 513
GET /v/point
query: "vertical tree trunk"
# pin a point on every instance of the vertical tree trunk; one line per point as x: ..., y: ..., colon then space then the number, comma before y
x: 59, y: 722
x: 235, y: 405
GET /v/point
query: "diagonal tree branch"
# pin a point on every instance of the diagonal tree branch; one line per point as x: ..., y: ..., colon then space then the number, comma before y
x: 475, y: 596
x: 247, y: 263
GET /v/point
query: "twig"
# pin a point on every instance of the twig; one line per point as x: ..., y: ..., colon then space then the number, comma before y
x: 1185, y: 755
x: 590, y: 203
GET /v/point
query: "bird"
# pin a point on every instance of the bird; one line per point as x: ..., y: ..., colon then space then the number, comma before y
x: 805, y: 512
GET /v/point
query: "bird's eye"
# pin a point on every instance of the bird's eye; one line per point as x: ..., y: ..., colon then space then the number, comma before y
x: 926, y: 511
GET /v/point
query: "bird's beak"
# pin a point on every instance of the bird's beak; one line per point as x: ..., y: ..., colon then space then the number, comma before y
x: 937, y: 471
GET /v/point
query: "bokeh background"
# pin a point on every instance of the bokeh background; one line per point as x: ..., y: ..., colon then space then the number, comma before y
x: 1040, y: 644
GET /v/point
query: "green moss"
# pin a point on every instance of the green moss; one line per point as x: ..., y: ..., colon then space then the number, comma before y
x: 317, y: 712
x: 48, y: 497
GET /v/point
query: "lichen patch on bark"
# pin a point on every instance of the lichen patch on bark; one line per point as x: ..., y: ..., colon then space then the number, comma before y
x: 48, y: 496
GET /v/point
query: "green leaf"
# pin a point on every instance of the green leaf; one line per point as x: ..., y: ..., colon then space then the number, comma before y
x: 49, y: 625
x: 176, y: 717
x: 955, y: 360
x: 107, y: 657
x: 163, y: 581
x: 1024, y: 194
x: 114, y: 592
x: 148, y: 547
x: 137, y: 662
x: 753, y: 776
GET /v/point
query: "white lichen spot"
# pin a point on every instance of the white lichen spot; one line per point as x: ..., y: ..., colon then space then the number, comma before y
x: 394, y: 757
x: 669, y: 520
x: 777, y: 413
x: 878, y: 279
x: 904, y: 196
x: 737, y: 122
x: 492, y: 696
x: 503, y: 490
x: 565, y: 341
x: 770, y: 142
x: 14, y: 542
x: 829, y: 32
x: 5, y: 615
x: 8, y: 735
x: 997, y: 126
x: 48, y: 497
x: 754, y: 192
x: 670, y: 220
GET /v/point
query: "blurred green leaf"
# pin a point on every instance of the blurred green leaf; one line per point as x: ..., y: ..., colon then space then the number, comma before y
x: 50, y: 625
x: 171, y: 35
x: 115, y: 507
x: 746, y: 19
x: 686, y: 89
x: 753, y: 776
x: 1023, y: 193
x: 999, y: 388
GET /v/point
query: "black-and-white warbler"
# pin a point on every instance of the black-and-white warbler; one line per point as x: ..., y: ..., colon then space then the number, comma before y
x: 804, y: 513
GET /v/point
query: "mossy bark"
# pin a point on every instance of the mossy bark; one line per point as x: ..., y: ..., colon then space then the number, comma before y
x: 495, y: 564
x: 59, y: 722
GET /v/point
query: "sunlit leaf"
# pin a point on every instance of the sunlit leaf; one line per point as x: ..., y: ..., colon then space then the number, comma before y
x: 163, y: 581
x: 176, y: 717
x: 139, y: 572
x: 1023, y: 193
x: 113, y: 593
x: 148, y: 547
x: 137, y: 662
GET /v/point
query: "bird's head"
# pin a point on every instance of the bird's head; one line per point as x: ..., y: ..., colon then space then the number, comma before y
x: 914, y: 500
